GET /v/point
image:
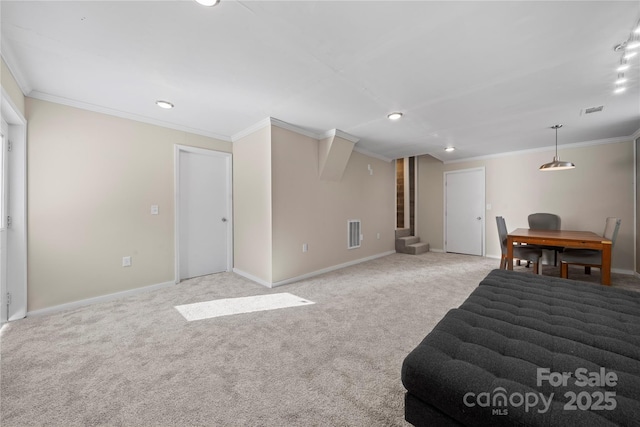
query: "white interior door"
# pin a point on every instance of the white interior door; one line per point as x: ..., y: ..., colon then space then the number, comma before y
x: 464, y: 211
x: 203, y: 212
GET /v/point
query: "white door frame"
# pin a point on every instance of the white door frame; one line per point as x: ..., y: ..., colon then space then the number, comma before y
x: 228, y: 163
x: 17, y: 234
x: 484, y: 212
x: 4, y: 181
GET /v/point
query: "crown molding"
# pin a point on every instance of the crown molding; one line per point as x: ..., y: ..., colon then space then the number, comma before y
x: 541, y: 149
x: 124, y: 115
x: 340, y: 134
x: 371, y: 154
x: 9, y: 58
x: 293, y: 128
x: 271, y: 121
x: 8, y: 109
x: 251, y: 129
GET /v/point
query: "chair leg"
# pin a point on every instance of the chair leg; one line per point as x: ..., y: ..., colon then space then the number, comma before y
x: 537, y: 267
x: 564, y: 270
x: 587, y: 269
x: 555, y: 258
x: 503, y: 263
x: 540, y: 267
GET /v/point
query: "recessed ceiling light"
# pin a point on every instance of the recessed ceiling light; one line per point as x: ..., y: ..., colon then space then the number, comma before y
x: 620, y: 89
x: 629, y: 55
x: 633, y: 44
x: 208, y: 2
x: 164, y: 104
x: 623, y: 66
x: 621, y: 80
x: 394, y: 116
x: 449, y: 149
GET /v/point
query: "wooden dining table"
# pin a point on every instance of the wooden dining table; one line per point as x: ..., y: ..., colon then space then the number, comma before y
x: 563, y: 239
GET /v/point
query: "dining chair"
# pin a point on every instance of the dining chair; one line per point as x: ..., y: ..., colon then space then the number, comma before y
x: 546, y: 221
x: 589, y: 257
x: 523, y: 252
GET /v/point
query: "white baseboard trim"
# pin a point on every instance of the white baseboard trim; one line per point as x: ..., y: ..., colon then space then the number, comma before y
x: 622, y: 271
x: 252, y: 277
x: 440, y: 251
x: 95, y: 300
x: 332, y: 268
x: 313, y: 273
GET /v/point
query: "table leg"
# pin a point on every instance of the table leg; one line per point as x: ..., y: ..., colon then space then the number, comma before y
x: 509, y: 253
x: 605, y: 268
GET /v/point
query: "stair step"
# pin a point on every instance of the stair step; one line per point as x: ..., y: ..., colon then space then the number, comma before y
x: 403, y: 242
x: 409, y: 240
x: 402, y: 232
x: 417, y: 248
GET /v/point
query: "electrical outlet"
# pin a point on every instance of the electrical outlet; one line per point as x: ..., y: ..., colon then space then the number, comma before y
x: 154, y: 210
x: 126, y: 261
x: 305, y: 247
x: 378, y: 236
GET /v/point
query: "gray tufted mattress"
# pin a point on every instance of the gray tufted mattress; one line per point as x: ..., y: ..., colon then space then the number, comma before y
x: 529, y: 350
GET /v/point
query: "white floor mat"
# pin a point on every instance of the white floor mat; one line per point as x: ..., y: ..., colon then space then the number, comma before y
x: 229, y: 306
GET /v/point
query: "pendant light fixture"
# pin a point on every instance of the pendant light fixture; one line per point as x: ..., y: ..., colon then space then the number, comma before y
x: 557, y: 164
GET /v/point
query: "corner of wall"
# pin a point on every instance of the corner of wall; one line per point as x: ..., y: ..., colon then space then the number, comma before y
x: 252, y: 205
x: 10, y: 87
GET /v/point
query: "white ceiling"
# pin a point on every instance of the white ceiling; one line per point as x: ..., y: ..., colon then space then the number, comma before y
x: 485, y: 77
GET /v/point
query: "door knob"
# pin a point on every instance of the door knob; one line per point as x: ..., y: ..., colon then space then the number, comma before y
x: 224, y: 219
x: 479, y: 218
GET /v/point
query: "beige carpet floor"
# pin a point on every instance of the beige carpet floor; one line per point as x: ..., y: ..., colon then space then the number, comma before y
x: 137, y: 362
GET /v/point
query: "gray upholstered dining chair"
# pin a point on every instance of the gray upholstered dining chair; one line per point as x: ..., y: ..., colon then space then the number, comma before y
x: 523, y: 252
x: 546, y: 221
x: 589, y: 257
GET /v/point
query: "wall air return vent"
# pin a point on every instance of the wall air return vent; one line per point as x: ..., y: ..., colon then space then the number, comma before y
x: 591, y: 110
x: 354, y: 236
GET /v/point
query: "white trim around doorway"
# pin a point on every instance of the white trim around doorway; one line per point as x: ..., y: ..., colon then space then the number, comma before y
x: 17, y: 241
x: 229, y: 166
